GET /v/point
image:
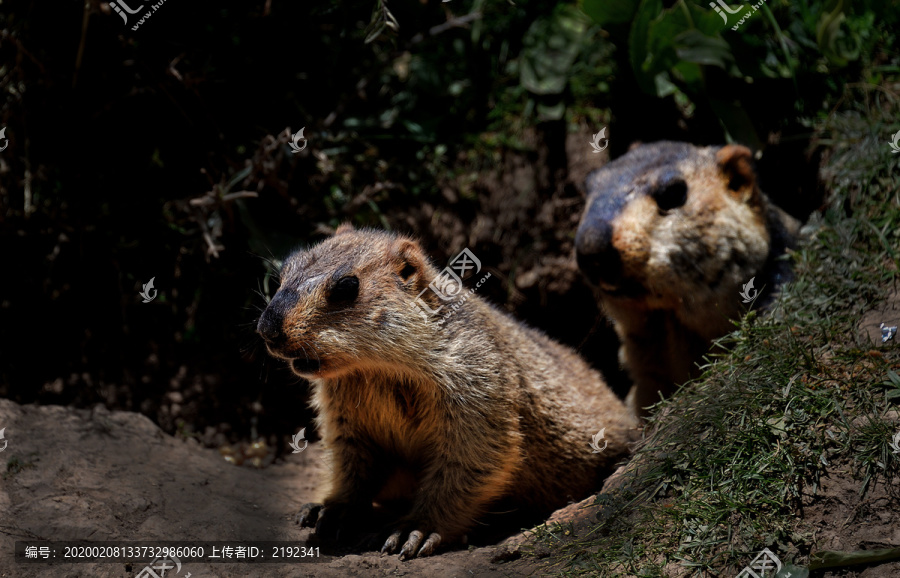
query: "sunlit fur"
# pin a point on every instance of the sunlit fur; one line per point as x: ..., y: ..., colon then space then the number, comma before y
x: 682, y: 269
x: 476, y: 409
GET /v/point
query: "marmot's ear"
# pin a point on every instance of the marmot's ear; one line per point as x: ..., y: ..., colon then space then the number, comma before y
x: 736, y: 163
x: 409, y: 261
x: 344, y: 228
x: 412, y: 266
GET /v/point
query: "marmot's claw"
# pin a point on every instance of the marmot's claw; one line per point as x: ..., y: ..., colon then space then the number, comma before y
x: 308, y: 515
x: 390, y: 545
x: 414, y: 545
x: 430, y: 545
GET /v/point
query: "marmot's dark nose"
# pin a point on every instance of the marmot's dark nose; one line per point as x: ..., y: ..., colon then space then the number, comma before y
x: 597, y: 257
x: 270, y: 325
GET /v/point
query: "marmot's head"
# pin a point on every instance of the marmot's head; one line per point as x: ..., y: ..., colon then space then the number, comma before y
x: 349, y: 304
x: 670, y: 223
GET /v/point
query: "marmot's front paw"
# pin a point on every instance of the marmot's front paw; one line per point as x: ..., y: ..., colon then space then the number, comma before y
x: 333, y: 521
x: 308, y: 515
x: 412, y: 548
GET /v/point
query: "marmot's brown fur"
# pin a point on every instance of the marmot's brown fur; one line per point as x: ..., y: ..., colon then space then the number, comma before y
x: 453, y: 413
x: 670, y: 235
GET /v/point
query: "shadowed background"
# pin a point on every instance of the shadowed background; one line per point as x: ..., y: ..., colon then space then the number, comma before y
x: 162, y: 153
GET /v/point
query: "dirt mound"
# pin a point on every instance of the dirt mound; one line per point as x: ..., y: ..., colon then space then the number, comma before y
x: 99, y: 475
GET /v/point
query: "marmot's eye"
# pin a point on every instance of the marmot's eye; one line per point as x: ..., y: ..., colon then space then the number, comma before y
x: 346, y: 289
x: 671, y: 196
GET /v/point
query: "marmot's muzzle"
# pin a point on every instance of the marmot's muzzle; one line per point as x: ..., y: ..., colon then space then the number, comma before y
x: 595, y: 253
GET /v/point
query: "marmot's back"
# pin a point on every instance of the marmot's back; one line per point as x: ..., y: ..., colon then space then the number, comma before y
x: 670, y: 235
x: 562, y: 403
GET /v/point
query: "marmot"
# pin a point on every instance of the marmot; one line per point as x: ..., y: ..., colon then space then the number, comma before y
x: 670, y: 235
x: 452, y: 412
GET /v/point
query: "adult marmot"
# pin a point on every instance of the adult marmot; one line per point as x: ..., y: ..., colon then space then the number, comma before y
x: 453, y: 407
x: 670, y: 236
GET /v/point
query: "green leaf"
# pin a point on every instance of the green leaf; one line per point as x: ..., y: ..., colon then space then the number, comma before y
x: 672, y: 45
x: 893, y: 377
x: 705, y: 20
x: 605, y: 12
x: 550, y: 47
x: 789, y: 570
x: 690, y: 76
x: 663, y: 30
x: 381, y: 18
x: 834, y: 559
x: 548, y: 112
x: 694, y: 46
x: 838, y: 46
x: 373, y: 32
x: 638, y: 42
x: 664, y: 86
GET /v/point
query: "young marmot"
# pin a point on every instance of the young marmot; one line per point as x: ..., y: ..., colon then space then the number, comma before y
x: 670, y: 235
x: 451, y: 412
